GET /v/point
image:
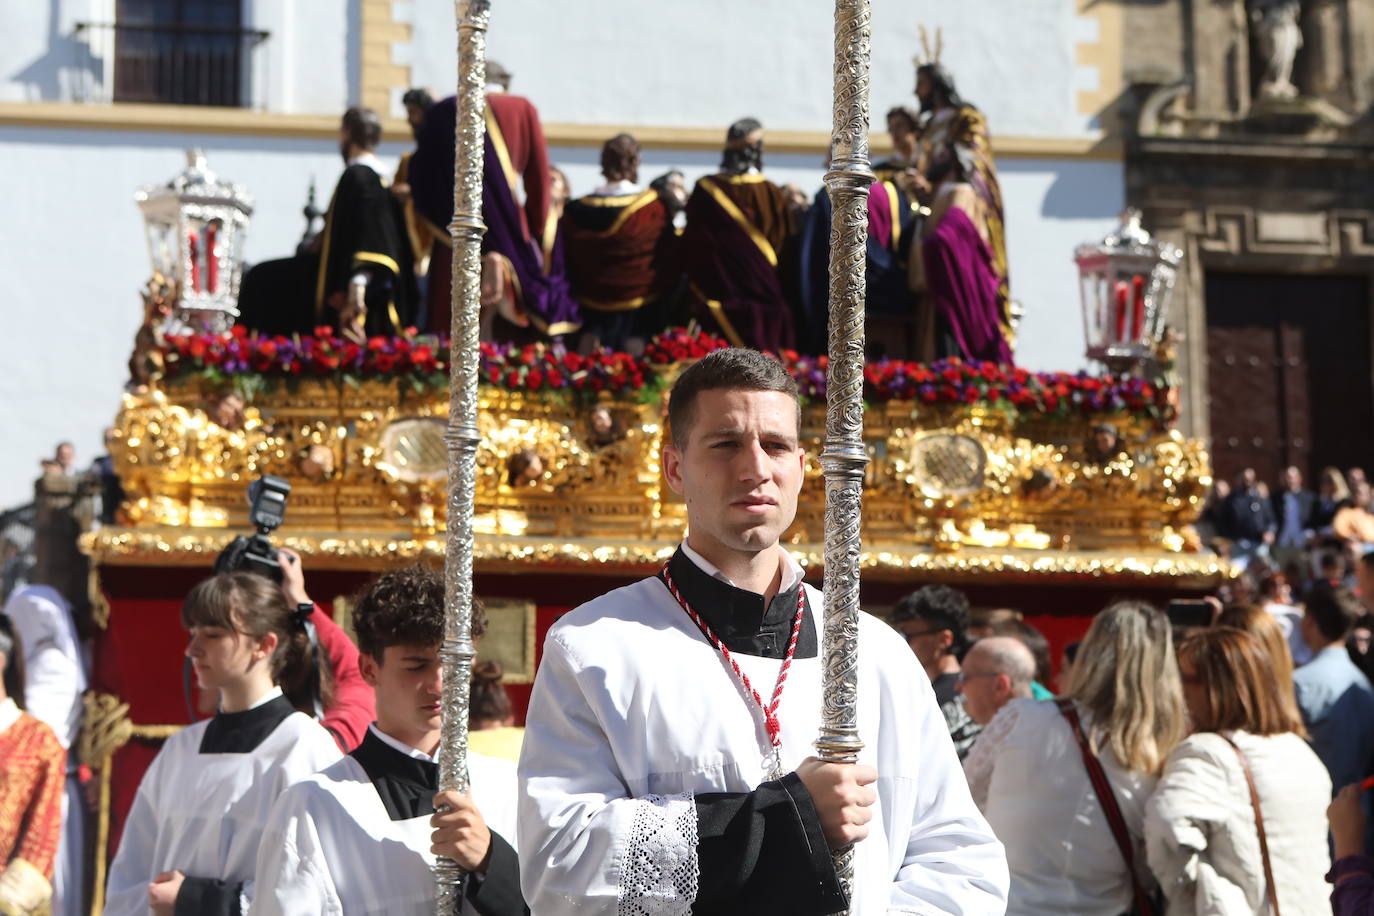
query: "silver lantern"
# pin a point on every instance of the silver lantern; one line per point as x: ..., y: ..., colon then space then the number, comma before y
x: 1126, y: 281
x: 196, y: 226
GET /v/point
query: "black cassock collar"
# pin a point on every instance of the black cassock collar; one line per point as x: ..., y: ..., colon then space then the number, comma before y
x: 738, y: 616
x: 242, y: 732
x: 407, y: 785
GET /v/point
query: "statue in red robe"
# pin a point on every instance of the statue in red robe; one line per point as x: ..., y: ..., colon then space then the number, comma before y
x: 622, y: 253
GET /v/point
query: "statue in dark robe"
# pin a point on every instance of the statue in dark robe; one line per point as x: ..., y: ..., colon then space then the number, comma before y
x: 737, y: 225
x: 359, y: 277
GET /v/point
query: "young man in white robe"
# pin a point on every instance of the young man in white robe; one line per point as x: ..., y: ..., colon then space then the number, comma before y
x: 651, y: 781
x: 360, y: 837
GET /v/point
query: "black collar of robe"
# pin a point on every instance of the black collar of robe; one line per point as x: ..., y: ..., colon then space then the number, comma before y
x: 407, y: 785
x: 242, y: 732
x: 738, y: 616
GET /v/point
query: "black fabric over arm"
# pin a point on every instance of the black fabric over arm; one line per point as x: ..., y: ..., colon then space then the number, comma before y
x: 763, y: 852
x: 497, y: 893
x: 207, y: 897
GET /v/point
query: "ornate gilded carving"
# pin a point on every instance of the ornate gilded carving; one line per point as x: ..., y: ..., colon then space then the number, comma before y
x: 1040, y: 488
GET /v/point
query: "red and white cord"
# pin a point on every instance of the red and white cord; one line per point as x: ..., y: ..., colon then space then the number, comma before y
x: 770, y: 712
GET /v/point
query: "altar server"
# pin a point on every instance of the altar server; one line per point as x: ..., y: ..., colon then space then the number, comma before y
x: 192, y: 835
x: 665, y: 766
x: 360, y: 837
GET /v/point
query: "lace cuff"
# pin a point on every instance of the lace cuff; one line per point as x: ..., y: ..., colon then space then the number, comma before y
x: 982, y: 757
x: 659, y: 872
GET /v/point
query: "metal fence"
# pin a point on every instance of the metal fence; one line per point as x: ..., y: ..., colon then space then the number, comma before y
x: 16, y: 547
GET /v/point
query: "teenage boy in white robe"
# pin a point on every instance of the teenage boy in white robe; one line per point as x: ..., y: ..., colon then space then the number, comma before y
x: 650, y: 779
x: 360, y: 837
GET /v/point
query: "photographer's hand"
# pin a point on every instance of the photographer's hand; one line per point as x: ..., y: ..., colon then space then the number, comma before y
x: 292, y: 577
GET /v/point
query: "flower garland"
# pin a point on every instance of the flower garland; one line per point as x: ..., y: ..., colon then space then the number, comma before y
x: 420, y: 362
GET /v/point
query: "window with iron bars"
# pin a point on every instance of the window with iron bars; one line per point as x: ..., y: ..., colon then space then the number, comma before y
x: 183, y: 52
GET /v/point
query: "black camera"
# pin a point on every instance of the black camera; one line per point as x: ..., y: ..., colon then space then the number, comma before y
x: 267, y: 510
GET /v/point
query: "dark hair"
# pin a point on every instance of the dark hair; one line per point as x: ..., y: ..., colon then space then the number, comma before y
x: 518, y: 463
x: 739, y: 155
x: 1238, y: 680
x: 14, y: 661
x: 942, y: 81
x: 363, y: 127
x: 940, y: 606
x: 901, y: 111
x: 418, y: 98
x: 620, y: 158
x: 255, y: 606
x: 733, y: 368
x: 488, y: 700
x: 1334, y: 611
x: 1331, y: 561
x: 1033, y: 640
x: 405, y: 607
x: 1071, y: 651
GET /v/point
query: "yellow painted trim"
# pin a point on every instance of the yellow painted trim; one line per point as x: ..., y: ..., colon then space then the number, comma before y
x: 738, y: 216
x: 1105, y: 56
x: 378, y: 74
x: 440, y: 234
x: 746, y: 178
x: 632, y: 204
x: 373, y: 257
x: 195, y: 119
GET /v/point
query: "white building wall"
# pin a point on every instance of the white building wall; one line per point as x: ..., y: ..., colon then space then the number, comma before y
x: 71, y: 245
x: 706, y: 63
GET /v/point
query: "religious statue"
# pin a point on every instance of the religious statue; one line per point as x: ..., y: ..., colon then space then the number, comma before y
x: 523, y: 276
x: 360, y: 278
x: 893, y: 221
x: 623, y: 255
x: 962, y: 261
x: 1278, y: 36
x: 737, y: 225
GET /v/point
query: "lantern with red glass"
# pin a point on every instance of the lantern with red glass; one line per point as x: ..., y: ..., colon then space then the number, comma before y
x: 196, y: 226
x: 1126, y: 280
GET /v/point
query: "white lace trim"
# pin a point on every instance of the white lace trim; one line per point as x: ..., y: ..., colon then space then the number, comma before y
x: 982, y: 757
x: 658, y: 875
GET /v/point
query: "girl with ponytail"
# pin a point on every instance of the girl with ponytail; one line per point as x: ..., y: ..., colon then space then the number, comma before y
x: 192, y: 835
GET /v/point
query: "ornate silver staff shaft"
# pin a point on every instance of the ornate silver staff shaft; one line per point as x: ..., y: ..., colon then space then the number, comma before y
x: 844, y: 458
x: 466, y: 231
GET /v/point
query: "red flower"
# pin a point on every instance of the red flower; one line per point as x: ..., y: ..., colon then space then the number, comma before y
x: 928, y: 395
x: 949, y: 393
x: 494, y: 375
x: 952, y: 375
x: 970, y: 395
x: 324, y: 331
x: 197, y: 348
x: 533, y: 379
x: 555, y: 378
x: 385, y: 362
x: 376, y: 343
x: 513, y: 379
x: 239, y: 331
x: 678, y: 353
x: 994, y: 394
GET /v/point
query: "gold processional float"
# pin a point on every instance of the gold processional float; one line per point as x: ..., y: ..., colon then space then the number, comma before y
x: 974, y: 474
